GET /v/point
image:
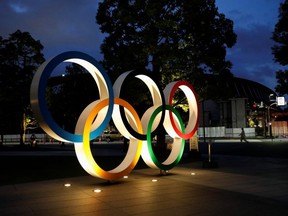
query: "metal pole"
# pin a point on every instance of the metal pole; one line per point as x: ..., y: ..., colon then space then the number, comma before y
x: 209, y: 152
x: 203, y: 119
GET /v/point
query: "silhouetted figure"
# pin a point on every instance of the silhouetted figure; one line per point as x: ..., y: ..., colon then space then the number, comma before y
x: 242, y: 135
x: 33, y: 140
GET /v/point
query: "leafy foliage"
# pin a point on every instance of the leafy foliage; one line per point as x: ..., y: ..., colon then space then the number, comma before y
x: 280, y: 49
x: 172, y: 38
x: 282, y: 80
x: 20, y: 55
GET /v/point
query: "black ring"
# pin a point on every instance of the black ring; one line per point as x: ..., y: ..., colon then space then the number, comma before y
x: 122, y: 112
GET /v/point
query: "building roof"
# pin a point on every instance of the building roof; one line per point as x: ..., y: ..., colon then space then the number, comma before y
x: 252, y: 90
x: 234, y: 87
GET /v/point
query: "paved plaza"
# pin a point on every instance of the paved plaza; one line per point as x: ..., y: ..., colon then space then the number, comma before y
x: 239, y: 186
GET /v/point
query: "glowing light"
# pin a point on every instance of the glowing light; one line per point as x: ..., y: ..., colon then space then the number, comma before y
x: 178, y: 144
x: 38, y: 95
x: 97, y: 190
x: 97, y: 115
x: 83, y: 150
x: 154, y: 180
x: 67, y: 185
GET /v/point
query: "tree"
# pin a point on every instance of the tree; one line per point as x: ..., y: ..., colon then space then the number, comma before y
x: 280, y: 49
x: 20, y: 56
x: 172, y: 38
x: 282, y: 82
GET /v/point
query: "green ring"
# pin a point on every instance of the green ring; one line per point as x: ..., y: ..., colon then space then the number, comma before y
x: 149, y: 143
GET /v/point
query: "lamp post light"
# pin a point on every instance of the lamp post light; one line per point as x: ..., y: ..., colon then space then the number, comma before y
x: 272, y: 98
x: 270, y: 119
x: 278, y: 101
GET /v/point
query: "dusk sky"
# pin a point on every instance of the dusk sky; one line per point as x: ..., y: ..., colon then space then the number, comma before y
x: 66, y: 25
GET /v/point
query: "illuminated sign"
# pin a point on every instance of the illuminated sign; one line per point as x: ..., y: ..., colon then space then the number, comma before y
x: 281, y: 101
x: 97, y: 115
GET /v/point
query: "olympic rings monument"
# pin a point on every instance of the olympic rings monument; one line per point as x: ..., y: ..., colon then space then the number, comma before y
x: 97, y: 115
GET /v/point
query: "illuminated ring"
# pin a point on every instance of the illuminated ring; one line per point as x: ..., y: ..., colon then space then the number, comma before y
x: 157, y: 97
x: 83, y: 150
x: 190, y: 94
x: 178, y: 143
x: 38, y: 92
x: 96, y: 116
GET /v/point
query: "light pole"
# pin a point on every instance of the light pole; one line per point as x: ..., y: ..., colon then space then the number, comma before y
x: 269, y: 118
x: 203, y: 121
x: 272, y: 98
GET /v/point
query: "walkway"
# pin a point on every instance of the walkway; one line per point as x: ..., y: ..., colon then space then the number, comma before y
x: 240, y: 186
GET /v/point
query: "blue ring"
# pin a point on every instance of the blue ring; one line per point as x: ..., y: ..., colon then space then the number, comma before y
x: 42, y: 92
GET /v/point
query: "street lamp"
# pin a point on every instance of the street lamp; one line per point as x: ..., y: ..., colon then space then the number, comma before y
x: 272, y: 98
x: 278, y: 101
x: 269, y: 118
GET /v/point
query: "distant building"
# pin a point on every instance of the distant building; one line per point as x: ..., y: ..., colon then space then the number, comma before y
x: 240, y: 103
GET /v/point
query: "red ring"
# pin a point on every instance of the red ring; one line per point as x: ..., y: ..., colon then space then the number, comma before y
x: 173, y: 90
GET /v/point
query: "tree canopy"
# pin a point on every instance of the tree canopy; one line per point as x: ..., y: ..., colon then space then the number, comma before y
x: 172, y: 38
x: 20, y: 56
x: 280, y: 49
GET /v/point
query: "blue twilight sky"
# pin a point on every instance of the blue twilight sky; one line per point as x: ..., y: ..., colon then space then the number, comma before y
x: 67, y: 25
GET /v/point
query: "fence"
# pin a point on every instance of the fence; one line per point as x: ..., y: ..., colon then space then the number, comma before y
x: 15, y: 138
x: 280, y: 129
x: 224, y: 132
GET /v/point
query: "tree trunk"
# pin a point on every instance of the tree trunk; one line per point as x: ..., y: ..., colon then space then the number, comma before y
x: 160, y: 148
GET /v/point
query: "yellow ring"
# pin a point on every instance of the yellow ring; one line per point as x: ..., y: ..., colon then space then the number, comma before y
x: 83, y: 150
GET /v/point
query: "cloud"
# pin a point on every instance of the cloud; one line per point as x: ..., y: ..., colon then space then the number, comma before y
x: 254, y: 23
x: 253, y: 45
x: 60, y: 26
x: 252, y: 57
x: 67, y: 25
x: 246, y: 13
x: 18, y: 7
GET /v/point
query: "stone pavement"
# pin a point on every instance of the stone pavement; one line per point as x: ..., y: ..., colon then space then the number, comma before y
x: 240, y: 186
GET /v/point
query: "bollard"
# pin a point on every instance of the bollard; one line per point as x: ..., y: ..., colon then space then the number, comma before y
x: 209, y: 163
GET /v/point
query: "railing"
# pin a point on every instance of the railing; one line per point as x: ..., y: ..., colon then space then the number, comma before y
x: 224, y: 132
x: 15, y: 138
x: 279, y: 130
